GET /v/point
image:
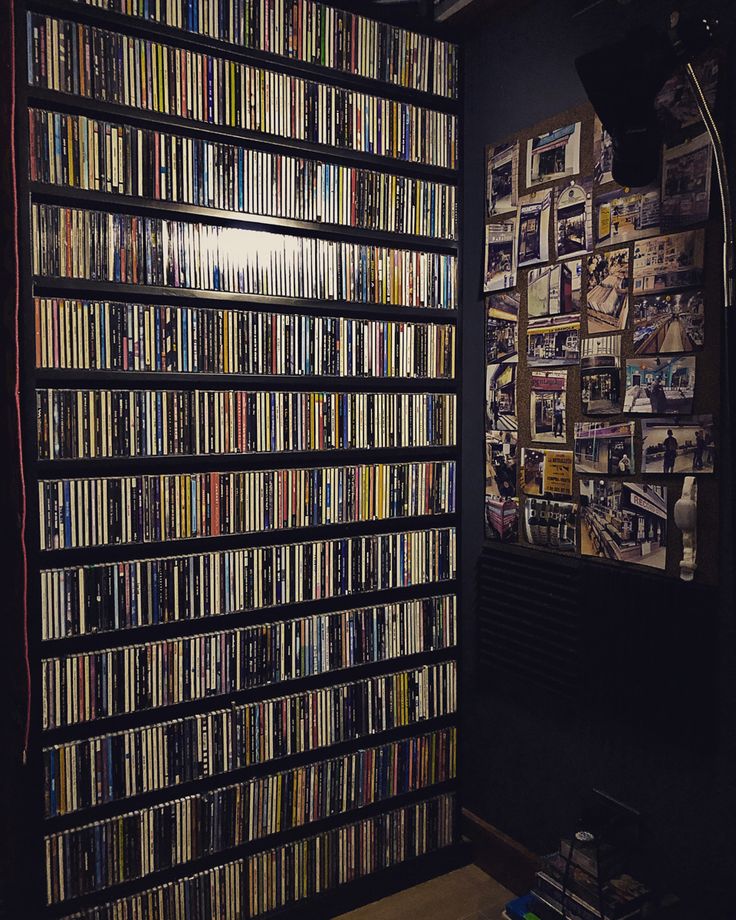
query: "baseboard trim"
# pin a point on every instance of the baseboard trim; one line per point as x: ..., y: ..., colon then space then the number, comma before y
x: 502, y: 857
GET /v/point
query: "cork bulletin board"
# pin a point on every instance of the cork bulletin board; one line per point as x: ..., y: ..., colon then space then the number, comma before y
x: 601, y: 511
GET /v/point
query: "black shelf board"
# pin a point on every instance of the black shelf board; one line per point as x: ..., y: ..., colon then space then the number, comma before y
x: 193, y: 41
x: 192, y: 867
x: 99, y: 201
x: 138, y: 293
x: 94, y: 641
x: 131, y: 379
x: 121, y: 552
x: 125, y: 466
x: 170, y: 793
x: 143, y: 717
x: 67, y: 102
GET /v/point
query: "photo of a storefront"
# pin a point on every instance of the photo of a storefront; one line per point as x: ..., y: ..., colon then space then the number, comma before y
x: 501, y: 397
x: 530, y: 231
x: 504, y: 305
x: 501, y: 340
x: 553, y: 343
x: 553, y: 155
x: 574, y: 220
x: 503, y: 178
x: 604, y: 449
x: 553, y: 291
x: 547, y: 412
x: 600, y: 374
x: 660, y: 386
x: 624, y: 521
x: 500, y: 259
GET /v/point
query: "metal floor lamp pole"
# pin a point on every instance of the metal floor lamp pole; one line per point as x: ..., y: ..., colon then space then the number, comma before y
x: 729, y: 258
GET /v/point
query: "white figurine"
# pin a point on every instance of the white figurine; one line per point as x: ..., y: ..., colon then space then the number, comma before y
x: 686, y: 517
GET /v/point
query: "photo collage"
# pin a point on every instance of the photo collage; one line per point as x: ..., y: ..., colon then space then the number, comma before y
x: 595, y: 305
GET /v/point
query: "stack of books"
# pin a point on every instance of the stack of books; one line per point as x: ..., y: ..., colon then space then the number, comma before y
x: 585, y: 880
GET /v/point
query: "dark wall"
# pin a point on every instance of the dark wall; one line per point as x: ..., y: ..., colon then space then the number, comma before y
x: 529, y: 761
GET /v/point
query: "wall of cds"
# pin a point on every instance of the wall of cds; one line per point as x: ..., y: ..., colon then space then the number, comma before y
x: 601, y: 322
x: 239, y: 300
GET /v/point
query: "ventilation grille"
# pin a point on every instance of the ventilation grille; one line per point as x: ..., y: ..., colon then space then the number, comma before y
x: 633, y: 647
x: 529, y: 620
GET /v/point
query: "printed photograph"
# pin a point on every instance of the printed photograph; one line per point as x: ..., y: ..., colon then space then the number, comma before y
x: 624, y: 521
x: 501, y: 463
x: 551, y: 524
x: 608, y: 290
x: 501, y: 503
x: 501, y: 397
x: 604, y: 449
x: 502, y: 340
x: 675, y: 103
x: 667, y: 323
x: 553, y: 308
x: 502, y: 519
x: 660, y: 386
x: 547, y: 406
x: 555, y: 290
x: 671, y: 261
x: 686, y: 177
x: 600, y: 374
x: 622, y: 215
x: 574, y: 219
x: 602, y: 154
x: 504, y: 306
x: 554, y: 341
x: 502, y: 178
x: 682, y: 445
x: 553, y: 155
x: 500, y: 267
x: 546, y: 472
x: 533, y: 241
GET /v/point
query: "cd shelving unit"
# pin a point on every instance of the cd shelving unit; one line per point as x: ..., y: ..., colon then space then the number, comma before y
x: 239, y: 228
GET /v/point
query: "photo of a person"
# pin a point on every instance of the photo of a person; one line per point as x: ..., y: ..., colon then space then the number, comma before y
x: 661, y: 385
x: 686, y: 444
x: 670, y: 452
x: 559, y: 425
x: 548, y: 405
x: 624, y: 464
x: 699, y: 451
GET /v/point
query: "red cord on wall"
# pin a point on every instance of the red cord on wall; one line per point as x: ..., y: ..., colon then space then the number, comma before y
x: 22, y: 475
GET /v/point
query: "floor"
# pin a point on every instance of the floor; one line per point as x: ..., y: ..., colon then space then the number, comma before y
x: 465, y: 894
